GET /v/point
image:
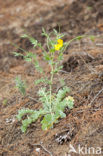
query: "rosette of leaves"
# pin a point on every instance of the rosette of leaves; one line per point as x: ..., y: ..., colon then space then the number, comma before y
x: 50, y: 114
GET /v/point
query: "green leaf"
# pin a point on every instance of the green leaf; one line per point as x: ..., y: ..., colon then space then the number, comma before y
x: 39, y: 81
x: 60, y: 57
x: 42, y: 80
x: 32, y: 116
x: 5, y: 101
x: 44, y: 98
x: 31, y: 39
x: 25, y: 124
x: 48, y: 121
x: 29, y: 56
x: 21, y: 85
x: 38, y: 68
x: 24, y: 111
x: 61, y: 93
x: 44, y: 33
x: 92, y: 38
x: 17, y: 54
x: 70, y: 104
x: 23, y: 129
x: 62, y: 114
x: 46, y: 56
x: 24, y: 36
x: 52, y: 50
x: 55, y: 32
x: 79, y: 37
x: 36, y: 115
x: 28, y: 59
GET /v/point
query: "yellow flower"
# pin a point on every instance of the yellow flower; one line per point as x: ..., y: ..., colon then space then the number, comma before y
x: 59, y: 45
x: 60, y: 41
x: 70, y: 98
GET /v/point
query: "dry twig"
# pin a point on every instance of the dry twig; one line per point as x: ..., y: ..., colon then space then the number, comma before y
x: 40, y: 145
x: 95, y: 97
x: 33, y: 99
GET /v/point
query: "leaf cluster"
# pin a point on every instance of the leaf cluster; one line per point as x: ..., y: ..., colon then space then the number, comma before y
x: 50, y: 114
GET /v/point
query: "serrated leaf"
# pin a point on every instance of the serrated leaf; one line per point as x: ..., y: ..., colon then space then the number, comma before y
x: 17, y: 54
x: 37, y: 66
x: 25, y: 124
x: 70, y: 104
x: 48, y: 121
x: 21, y: 85
x: 52, y: 50
x: 33, y: 41
x: 28, y: 59
x: 23, y: 129
x: 62, y: 114
x: 44, y: 32
x: 47, y: 57
x: 22, y: 112
x: 36, y: 115
x: 40, y: 81
x: 61, y: 93
x: 55, y: 31
x: 24, y: 36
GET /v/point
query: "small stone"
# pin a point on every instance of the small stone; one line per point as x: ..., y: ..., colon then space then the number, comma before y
x: 38, y: 150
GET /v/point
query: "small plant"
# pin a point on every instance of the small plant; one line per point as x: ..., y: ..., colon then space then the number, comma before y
x: 53, y: 104
x: 5, y: 101
x: 21, y: 85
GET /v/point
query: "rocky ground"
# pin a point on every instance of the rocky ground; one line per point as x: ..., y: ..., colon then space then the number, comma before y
x: 82, y: 72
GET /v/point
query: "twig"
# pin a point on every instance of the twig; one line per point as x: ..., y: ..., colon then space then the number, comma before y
x: 43, y: 149
x: 33, y: 99
x: 59, y: 88
x: 99, y: 44
x: 95, y: 97
x: 63, y: 71
x: 80, y: 111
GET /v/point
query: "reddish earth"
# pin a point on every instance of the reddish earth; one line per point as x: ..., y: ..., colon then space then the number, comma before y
x: 82, y: 72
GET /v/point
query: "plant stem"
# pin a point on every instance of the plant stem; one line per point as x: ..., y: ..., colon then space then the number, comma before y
x: 51, y: 82
x: 52, y: 73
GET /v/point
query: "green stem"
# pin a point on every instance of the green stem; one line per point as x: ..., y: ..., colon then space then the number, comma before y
x: 82, y: 36
x: 51, y: 82
x: 52, y: 74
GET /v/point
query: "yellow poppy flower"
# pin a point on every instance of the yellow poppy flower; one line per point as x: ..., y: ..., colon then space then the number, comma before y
x: 59, y: 45
x: 60, y: 41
